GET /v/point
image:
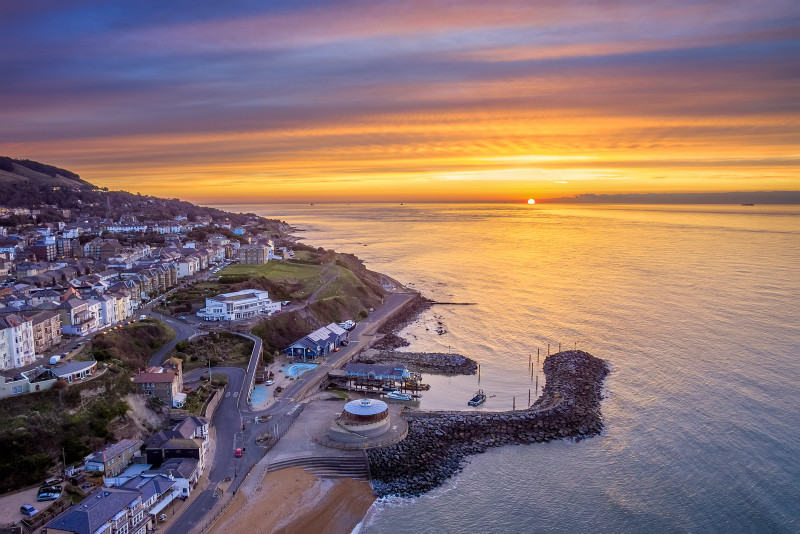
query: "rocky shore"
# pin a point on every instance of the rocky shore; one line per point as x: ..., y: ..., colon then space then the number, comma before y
x: 390, y: 340
x: 438, y: 443
x: 427, y: 362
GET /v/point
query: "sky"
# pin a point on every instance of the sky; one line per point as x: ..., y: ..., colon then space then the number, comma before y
x: 309, y: 101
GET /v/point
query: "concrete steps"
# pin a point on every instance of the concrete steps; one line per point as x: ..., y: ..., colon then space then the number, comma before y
x: 326, y: 467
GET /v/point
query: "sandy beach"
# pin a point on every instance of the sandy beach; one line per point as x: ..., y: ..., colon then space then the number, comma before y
x: 293, y: 500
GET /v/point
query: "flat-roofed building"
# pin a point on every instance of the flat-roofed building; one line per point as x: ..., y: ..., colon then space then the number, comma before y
x: 238, y: 305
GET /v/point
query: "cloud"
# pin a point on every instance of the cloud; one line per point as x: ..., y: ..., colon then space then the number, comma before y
x: 357, y: 91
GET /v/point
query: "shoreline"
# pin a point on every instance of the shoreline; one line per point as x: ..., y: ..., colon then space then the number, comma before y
x: 293, y: 500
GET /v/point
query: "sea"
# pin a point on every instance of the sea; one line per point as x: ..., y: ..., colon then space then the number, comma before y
x: 695, y: 308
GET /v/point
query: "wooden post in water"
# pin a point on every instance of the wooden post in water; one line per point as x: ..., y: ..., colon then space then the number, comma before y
x: 513, y: 403
x: 548, y: 349
x: 537, y: 360
x: 530, y: 357
x: 537, y: 385
x: 529, y: 397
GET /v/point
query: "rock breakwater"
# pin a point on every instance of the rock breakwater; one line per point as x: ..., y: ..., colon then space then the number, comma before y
x: 438, y: 443
x: 428, y: 362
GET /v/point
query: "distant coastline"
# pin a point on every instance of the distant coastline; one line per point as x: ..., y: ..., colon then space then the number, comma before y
x: 733, y: 197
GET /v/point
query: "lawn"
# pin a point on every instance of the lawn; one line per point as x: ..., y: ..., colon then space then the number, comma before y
x: 306, y: 277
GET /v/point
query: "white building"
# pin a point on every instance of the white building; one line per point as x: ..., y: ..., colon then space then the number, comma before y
x: 108, y: 310
x: 16, y: 342
x: 188, y: 266
x: 130, y: 228
x: 238, y: 305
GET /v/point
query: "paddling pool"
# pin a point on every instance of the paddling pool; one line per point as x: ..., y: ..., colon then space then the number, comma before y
x: 296, y: 369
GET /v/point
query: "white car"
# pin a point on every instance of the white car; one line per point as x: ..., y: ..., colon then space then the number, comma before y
x: 269, y: 382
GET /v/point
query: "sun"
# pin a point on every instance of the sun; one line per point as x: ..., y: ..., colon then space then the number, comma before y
x: 531, y: 201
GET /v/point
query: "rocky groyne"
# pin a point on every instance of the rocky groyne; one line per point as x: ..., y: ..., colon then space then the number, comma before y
x: 438, y: 443
x: 426, y: 362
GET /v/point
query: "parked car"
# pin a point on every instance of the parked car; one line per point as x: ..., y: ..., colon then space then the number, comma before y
x: 238, y: 453
x: 27, y: 509
x: 269, y: 382
x: 49, y: 493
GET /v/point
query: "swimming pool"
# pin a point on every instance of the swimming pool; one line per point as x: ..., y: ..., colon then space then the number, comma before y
x: 296, y: 369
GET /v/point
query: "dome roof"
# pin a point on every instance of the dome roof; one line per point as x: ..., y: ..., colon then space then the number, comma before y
x: 366, y: 407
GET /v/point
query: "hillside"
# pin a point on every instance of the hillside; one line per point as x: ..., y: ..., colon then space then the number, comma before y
x: 25, y: 183
x: 38, y: 430
x: 26, y: 171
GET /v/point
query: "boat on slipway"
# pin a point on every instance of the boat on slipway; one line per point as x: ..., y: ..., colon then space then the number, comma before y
x: 478, y: 399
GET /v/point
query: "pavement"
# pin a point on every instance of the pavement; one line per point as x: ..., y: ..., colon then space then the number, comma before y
x: 308, y: 436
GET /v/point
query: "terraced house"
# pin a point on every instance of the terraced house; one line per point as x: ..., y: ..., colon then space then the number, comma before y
x: 16, y: 342
x: 46, y: 330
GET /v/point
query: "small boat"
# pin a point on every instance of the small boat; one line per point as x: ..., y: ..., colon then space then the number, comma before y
x: 396, y: 395
x: 417, y: 395
x: 388, y: 389
x: 478, y: 399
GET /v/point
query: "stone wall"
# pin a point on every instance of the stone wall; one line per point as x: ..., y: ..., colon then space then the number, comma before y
x: 439, y: 442
x: 429, y: 362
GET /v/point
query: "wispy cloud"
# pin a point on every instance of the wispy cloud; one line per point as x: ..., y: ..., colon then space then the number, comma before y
x: 369, y: 94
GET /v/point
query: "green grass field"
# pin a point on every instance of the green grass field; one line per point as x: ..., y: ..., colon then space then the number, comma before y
x: 307, y: 277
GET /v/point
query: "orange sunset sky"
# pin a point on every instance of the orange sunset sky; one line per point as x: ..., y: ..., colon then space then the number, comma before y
x: 405, y: 101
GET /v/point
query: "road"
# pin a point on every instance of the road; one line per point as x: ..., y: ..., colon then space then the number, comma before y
x: 182, y: 331
x: 234, y: 424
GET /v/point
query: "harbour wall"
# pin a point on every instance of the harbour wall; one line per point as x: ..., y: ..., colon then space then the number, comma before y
x: 432, y: 362
x: 438, y: 443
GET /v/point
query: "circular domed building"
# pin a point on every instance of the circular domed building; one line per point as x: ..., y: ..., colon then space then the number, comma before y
x: 364, y: 418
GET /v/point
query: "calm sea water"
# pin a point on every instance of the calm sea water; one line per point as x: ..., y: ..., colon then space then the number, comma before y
x: 697, y: 309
